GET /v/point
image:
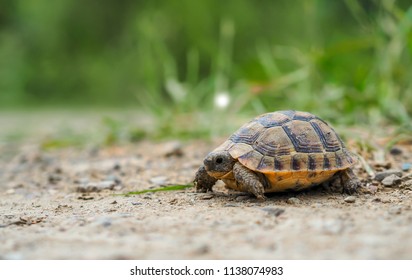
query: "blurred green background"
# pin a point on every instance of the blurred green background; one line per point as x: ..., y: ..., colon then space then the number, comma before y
x: 348, y: 61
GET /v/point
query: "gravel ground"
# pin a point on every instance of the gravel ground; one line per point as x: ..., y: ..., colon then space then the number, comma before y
x: 62, y: 204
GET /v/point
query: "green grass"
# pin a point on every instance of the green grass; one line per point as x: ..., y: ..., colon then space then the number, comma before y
x: 364, y: 80
x: 347, y: 61
x: 161, y: 189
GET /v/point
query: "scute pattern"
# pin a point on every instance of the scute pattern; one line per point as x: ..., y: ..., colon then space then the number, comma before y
x: 330, y: 140
x: 294, y: 150
x: 239, y: 149
x: 248, y: 133
x: 299, y: 162
x: 273, y: 142
x: 251, y: 159
x: 272, y: 119
x: 303, y: 137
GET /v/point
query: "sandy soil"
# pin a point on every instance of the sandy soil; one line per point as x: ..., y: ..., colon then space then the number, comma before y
x: 62, y: 204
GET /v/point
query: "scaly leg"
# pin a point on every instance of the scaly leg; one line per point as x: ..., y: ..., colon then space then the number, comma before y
x: 248, y: 181
x: 203, y: 181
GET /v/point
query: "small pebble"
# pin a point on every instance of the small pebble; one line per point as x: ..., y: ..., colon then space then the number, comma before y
x: 382, y: 175
x: 114, y: 178
x: 82, y: 181
x: 207, y: 196
x: 171, y: 149
x: 203, y: 249
x: 10, y: 191
x: 391, y: 180
x: 395, y: 151
x: 293, y: 200
x: 158, y: 180
x: 173, y: 201
x: 406, y: 166
x: 230, y: 205
x: 136, y: 203
x: 85, y: 197
x: 97, y: 186
x: 350, y: 199
x: 407, y: 184
x: 58, y: 170
x: 371, y: 189
x: 273, y: 211
x: 54, y: 178
x: 104, y: 221
x: 107, y: 184
x: 242, y: 198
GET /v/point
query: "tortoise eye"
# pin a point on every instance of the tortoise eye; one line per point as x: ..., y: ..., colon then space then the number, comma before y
x: 219, y: 160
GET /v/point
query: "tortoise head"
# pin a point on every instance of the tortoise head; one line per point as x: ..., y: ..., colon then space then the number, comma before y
x: 219, y: 163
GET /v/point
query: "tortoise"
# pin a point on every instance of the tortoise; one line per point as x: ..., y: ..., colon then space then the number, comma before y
x: 277, y: 152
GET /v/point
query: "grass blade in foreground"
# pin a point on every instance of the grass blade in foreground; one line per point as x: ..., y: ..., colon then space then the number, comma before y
x: 161, y: 189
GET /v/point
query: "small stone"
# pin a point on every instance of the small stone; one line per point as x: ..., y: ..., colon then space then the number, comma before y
x: 406, y: 166
x: 371, y: 189
x: 10, y: 191
x: 293, y: 200
x: 82, y: 181
x: 230, y: 205
x: 114, y: 202
x: 395, y: 210
x: 382, y: 175
x: 136, y: 203
x: 407, y: 184
x: 395, y: 151
x: 107, y: 184
x: 54, y: 178
x: 242, y: 198
x: 114, y: 178
x: 97, y: 186
x: 85, y: 197
x: 104, y: 221
x: 273, y: 211
x: 158, y: 180
x: 206, y: 196
x: 391, y: 180
x: 173, y: 201
x: 171, y: 149
x: 203, y: 249
x: 350, y: 199
x: 58, y: 170
x: 117, y: 187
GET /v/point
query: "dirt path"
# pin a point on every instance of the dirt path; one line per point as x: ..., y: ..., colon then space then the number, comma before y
x: 45, y: 212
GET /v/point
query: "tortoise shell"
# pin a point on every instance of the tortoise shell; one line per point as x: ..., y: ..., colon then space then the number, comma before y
x: 292, y: 149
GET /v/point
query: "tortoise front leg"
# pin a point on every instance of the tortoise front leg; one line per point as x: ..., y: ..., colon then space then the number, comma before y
x: 203, y: 181
x: 248, y: 181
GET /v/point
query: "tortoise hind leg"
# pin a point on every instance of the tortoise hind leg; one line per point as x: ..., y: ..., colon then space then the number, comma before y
x: 349, y: 181
x: 248, y: 181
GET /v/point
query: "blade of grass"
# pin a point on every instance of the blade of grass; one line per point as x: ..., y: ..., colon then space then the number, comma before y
x: 162, y: 189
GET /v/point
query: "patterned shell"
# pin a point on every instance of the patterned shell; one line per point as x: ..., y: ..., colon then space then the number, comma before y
x: 292, y: 144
